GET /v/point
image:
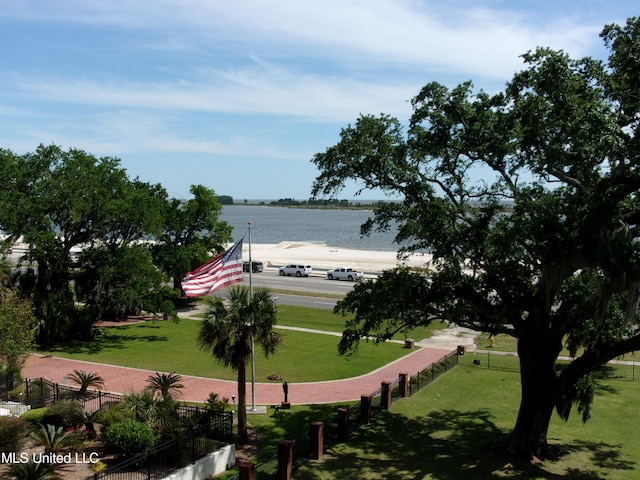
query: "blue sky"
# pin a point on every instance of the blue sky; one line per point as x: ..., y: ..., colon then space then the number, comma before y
x: 239, y: 96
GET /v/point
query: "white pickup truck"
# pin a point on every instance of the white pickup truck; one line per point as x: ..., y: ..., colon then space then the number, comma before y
x: 344, y: 273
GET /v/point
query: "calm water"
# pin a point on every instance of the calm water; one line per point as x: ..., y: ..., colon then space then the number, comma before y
x: 335, y: 228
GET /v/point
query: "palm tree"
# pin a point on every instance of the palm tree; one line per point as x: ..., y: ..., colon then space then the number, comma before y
x: 166, y: 384
x: 86, y: 380
x: 228, y: 330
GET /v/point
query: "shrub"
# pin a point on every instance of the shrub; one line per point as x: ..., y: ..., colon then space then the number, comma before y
x: 129, y: 437
x: 35, y: 416
x: 216, y: 404
x: 33, y: 470
x: 65, y: 414
x: 55, y: 439
x: 13, y: 433
x: 113, y: 414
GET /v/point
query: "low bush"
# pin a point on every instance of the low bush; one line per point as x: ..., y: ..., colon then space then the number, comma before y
x: 65, y: 414
x: 35, y: 416
x: 114, y: 414
x: 129, y: 437
x: 13, y: 433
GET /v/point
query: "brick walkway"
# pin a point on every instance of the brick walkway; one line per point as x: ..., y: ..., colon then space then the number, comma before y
x: 197, y: 389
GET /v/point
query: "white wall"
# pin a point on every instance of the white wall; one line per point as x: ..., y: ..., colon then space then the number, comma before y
x: 213, y: 464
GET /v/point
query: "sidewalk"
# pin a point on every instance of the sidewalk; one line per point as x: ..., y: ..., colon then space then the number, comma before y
x: 197, y: 389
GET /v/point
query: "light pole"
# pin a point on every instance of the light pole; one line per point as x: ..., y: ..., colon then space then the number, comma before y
x: 253, y: 357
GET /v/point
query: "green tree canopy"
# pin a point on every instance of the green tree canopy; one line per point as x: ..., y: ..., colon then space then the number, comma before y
x: 528, y: 202
x: 191, y: 232
x: 59, y: 203
x: 17, y: 334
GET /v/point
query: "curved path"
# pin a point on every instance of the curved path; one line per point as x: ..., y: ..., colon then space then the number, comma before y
x: 197, y: 389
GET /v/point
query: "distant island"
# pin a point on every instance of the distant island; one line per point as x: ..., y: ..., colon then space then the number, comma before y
x: 310, y: 203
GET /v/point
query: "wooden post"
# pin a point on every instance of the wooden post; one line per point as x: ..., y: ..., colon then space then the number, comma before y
x: 247, y: 471
x: 404, y: 385
x: 285, y: 459
x: 316, y: 440
x: 385, y: 396
x: 365, y: 409
x: 343, y: 424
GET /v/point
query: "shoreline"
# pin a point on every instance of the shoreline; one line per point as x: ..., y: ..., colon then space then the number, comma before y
x: 326, y: 257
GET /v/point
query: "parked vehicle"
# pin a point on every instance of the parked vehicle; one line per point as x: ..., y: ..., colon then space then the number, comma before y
x: 296, y: 269
x: 344, y: 273
x: 257, y: 266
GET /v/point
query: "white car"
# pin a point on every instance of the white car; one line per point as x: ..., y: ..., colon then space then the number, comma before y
x: 344, y: 273
x: 296, y: 269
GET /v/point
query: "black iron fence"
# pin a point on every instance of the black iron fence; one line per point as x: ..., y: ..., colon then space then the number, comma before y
x: 510, y: 362
x: 40, y: 392
x: 165, y: 459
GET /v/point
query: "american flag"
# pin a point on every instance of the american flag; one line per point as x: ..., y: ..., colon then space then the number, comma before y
x: 222, y: 270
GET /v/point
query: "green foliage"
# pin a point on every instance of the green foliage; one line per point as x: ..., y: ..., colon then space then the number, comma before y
x: 230, y: 328
x: 165, y: 384
x: 225, y: 199
x: 116, y: 281
x: 191, y: 232
x: 17, y: 334
x: 35, y: 416
x: 86, y: 380
x: 33, y: 471
x: 55, y: 439
x: 131, y: 234
x: 113, y: 413
x: 65, y: 414
x: 216, y: 404
x: 13, y: 433
x: 129, y: 437
x: 546, y: 248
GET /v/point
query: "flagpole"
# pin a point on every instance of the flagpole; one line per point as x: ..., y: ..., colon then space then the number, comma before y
x: 253, y: 357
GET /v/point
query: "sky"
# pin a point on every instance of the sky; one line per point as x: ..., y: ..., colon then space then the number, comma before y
x: 239, y: 96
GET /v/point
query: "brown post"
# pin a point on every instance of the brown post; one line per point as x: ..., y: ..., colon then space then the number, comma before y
x: 285, y: 459
x: 385, y: 396
x: 247, y: 471
x: 404, y: 385
x: 343, y: 424
x: 365, y: 409
x: 316, y: 440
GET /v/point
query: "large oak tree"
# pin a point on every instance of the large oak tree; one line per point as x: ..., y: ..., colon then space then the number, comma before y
x: 528, y: 201
x: 59, y: 201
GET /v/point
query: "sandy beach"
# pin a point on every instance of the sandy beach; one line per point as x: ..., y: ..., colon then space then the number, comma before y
x: 319, y: 256
x: 325, y: 257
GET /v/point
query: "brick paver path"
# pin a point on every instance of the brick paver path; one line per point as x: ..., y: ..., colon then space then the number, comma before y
x: 197, y: 389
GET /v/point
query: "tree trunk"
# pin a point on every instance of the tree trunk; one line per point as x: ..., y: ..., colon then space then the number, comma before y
x: 538, y: 384
x: 243, y: 437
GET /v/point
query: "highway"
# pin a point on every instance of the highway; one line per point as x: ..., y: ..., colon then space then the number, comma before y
x: 316, y: 283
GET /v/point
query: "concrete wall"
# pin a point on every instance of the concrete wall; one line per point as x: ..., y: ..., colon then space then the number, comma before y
x: 213, y: 464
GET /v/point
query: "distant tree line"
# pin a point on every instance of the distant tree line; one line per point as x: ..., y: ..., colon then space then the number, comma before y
x: 320, y: 202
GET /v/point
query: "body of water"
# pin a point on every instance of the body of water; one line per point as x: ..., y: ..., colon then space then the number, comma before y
x: 335, y: 228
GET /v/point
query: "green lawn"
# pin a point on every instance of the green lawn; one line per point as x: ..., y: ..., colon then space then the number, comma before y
x: 168, y: 347
x: 455, y: 429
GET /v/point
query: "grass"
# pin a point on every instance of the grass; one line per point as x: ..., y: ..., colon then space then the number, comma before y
x: 453, y: 429
x: 319, y: 319
x: 456, y: 427
x: 172, y: 347
x: 506, y: 343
